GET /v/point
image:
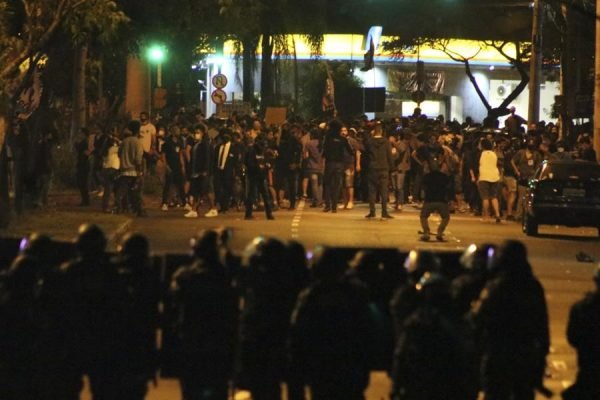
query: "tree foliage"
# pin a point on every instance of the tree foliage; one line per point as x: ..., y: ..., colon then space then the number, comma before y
x: 27, y: 28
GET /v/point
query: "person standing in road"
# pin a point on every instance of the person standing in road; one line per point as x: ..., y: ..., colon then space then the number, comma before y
x: 201, y: 172
x: 524, y: 163
x: 206, y: 326
x: 333, y: 154
x: 148, y: 139
x: 401, y: 154
x: 331, y: 336
x: 583, y: 331
x: 488, y: 180
x: 350, y: 163
x: 379, y: 154
x: 314, y: 166
x: 131, y: 155
x: 256, y: 177
x: 228, y: 157
x: 174, y: 175
x: 511, y: 322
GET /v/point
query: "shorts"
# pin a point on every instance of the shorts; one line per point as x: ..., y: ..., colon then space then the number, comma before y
x: 202, y: 186
x: 511, y: 183
x: 349, y: 177
x: 488, y: 190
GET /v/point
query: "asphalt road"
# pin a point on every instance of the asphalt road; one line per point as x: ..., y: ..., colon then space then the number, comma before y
x: 552, y: 255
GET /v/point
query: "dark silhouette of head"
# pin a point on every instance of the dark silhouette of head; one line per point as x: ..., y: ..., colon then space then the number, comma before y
x: 38, y: 245
x: 434, y: 289
x: 366, y: 266
x: 135, y: 246
x: 90, y: 241
x: 327, y: 264
x: 512, y: 259
x: 205, y: 245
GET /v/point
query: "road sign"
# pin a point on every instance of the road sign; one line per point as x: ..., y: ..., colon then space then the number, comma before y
x: 218, y: 96
x: 219, y: 81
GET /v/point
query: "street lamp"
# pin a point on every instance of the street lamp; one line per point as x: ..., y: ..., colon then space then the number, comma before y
x: 157, y: 54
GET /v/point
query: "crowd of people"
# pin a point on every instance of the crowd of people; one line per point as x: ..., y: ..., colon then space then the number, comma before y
x: 211, y: 166
x: 441, y: 328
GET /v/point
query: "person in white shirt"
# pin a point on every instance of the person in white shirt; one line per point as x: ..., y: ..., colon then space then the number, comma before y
x: 489, y: 177
x: 110, y: 170
x: 147, y: 138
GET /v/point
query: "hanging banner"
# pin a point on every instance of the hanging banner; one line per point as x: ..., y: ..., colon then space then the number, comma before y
x: 406, y: 81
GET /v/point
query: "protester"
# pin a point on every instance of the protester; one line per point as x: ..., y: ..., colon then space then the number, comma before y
x: 435, y: 187
x: 333, y: 155
x: 488, y: 179
x: 379, y: 153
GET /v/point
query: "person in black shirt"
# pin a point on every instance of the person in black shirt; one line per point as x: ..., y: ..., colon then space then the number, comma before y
x: 333, y: 153
x: 256, y: 177
x: 288, y: 166
x: 171, y: 152
x: 435, y: 186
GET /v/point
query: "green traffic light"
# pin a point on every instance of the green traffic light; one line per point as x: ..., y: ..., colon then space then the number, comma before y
x: 156, y: 54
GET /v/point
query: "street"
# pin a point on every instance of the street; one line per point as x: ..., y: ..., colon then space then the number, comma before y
x: 552, y: 254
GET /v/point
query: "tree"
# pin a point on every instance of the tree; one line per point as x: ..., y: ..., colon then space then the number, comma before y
x: 27, y: 31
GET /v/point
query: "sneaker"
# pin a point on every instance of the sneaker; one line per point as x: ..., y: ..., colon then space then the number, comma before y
x: 334, y: 210
x: 350, y: 206
x: 498, y: 220
x: 386, y: 216
x: 510, y: 217
x: 326, y: 209
x: 187, y: 207
x: 441, y: 238
x: 270, y: 217
x: 370, y: 215
x: 424, y: 238
x: 191, y: 214
x: 165, y: 207
x: 248, y: 217
x: 398, y: 207
x: 211, y: 213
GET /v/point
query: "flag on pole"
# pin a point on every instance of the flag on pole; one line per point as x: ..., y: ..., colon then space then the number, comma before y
x: 369, y: 57
x: 328, y: 101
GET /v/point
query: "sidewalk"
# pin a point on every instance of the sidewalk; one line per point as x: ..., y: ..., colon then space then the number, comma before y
x: 63, y: 216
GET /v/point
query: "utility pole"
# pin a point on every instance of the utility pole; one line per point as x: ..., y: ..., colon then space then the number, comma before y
x: 535, y: 67
x: 597, y: 86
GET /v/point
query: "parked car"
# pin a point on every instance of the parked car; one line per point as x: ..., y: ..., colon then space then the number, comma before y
x: 563, y: 192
